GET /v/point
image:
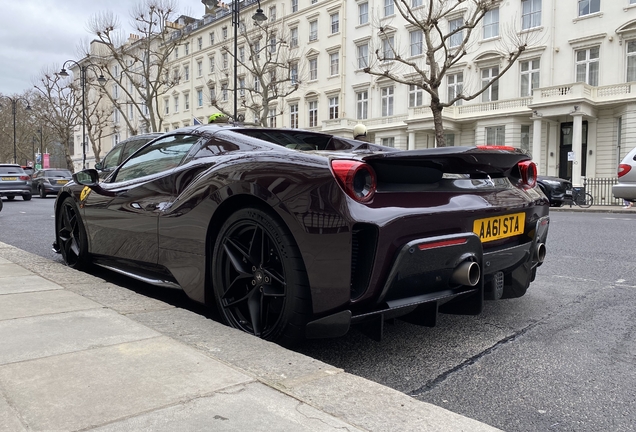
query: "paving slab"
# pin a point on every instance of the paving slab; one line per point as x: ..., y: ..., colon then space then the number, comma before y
x: 98, y: 386
x: 47, y: 335
x: 22, y: 284
x: 13, y: 270
x: 42, y: 303
x: 5, y: 261
x: 9, y: 421
x: 252, y: 407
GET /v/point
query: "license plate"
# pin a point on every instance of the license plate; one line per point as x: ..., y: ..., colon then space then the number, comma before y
x: 62, y: 181
x: 568, y: 192
x: 9, y: 178
x: 499, y: 227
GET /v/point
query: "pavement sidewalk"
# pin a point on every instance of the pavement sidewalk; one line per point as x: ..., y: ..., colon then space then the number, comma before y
x: 79, y: 353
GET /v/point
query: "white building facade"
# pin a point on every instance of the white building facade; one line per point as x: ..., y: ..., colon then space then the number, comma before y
x: 569, y: 100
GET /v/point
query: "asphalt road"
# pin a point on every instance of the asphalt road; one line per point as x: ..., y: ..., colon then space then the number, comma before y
x: 561, y: 358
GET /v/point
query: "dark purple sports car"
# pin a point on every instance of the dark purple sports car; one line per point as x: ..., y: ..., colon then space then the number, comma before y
x: 296, y: 234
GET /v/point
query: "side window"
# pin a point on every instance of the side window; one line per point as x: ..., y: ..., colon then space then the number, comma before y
x: 132, y: 147
x: 162, y: 155
x: 112, y: 159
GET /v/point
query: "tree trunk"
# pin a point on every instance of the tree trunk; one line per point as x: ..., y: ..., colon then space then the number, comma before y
x: 436, y: 108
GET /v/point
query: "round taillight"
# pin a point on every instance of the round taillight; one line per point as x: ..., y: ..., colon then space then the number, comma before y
x: 356, y: 178
x: 623, y: 169
x: 528, y: 170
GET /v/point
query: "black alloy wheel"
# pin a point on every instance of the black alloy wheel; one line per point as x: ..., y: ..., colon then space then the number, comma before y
x: 259, y: 279
x: 10, y: 197
x: 42, y: 192
x: 26, y: 197
x: 71, y: 235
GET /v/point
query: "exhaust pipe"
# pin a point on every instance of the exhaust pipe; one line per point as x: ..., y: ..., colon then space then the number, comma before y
x: 539, y: 252
x: 467, y: 273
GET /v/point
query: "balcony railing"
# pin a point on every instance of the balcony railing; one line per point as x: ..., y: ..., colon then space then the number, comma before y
x: 584, y: 91
x: 385, y: 120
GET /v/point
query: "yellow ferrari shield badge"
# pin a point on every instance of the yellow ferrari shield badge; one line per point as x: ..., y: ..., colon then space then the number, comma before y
x: 84, y: 193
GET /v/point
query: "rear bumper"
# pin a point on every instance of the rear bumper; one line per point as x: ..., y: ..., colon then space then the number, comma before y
x: 20, y: 190
x: 424, y: 276
x: 625, y: 191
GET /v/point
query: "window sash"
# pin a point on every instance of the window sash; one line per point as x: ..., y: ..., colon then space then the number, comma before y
x: 530, y: 14
x: 362, y: 110
x: 363, y: 56
x: 491, y: 23
x: 587, y: 7
x: 387, y: 101
x: 457, y: 38
x: 363, y: 13
x: 417, y: 42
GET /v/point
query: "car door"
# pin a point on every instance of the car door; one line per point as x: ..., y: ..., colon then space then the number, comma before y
x: 122, y: 221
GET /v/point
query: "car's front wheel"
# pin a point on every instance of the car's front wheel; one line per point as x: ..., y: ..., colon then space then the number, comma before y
x: 42, y: 192
x: 26, y: 197
x: 71, y: 235
x: 259, y: 279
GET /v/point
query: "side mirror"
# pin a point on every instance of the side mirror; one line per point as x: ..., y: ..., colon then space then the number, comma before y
x: 99, y: 166
x: 88, y: 177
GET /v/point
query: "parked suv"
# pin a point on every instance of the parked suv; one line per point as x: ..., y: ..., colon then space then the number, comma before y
x: 14, y: 181
x: 50, y: 181
x: 122, y: 151
x: 626, y: 186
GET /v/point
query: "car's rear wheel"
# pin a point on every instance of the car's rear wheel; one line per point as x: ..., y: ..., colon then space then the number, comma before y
x: 26, y: 197
x: 10, y: 197
x: 259, y: 279
x: 71, y: 235
x: 42, y: 192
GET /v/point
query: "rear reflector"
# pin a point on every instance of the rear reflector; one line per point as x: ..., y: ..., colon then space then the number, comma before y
x: 495, y: 147
x: 25, y: 178
x: 442, y: 243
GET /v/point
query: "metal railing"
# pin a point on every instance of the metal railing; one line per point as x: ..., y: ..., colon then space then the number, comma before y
x: 601, y: 190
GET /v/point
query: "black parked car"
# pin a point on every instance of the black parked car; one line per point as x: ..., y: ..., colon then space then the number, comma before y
x: 121, y: 151
x: 557, y: 190
x: 299, y: 234
x: 49, y: 181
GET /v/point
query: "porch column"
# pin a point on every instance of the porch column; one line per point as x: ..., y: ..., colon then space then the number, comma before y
x: 577, y: 147
x: 411, y: 143
x: 536, y: 143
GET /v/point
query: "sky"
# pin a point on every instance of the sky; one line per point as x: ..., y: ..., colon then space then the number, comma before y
x: 42, y: 34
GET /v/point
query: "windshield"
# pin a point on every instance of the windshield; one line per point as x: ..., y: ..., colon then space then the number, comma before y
x: 11, y: 170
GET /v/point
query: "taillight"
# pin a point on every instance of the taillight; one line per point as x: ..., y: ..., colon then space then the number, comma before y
x: 25, y: 178
x: 356, y: 178
x: 623, y: 169
x: 528, y: 170
x: 495, y: 147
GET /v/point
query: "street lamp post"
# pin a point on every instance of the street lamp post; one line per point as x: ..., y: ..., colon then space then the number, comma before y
x: 100, y: 80
x: 14, y: 103
x: 259, y: 17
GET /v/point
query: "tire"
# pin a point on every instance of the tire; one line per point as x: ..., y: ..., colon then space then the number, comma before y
x: 589, y: 201
x: 1, y: 203
x: 42, y: 192
x: 259, y: 279
x: 10, y: 197
x: 26, y: 197
x: 71, y: 235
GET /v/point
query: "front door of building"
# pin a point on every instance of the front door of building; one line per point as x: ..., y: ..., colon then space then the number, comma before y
x: 565, y: 166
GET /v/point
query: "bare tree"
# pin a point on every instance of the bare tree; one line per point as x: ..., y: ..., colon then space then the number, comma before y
x: 98, y: 116
x: 138, y: 65
x: 444, y: 47
x: 270, y: 69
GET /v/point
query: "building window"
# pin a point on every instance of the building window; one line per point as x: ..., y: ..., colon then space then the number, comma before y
x: 530, y: 14
x: 529, y: 76
x: 187, y: 48
x: 211, y: 38
x: 416, y: 96
x: 257, y: 83
x: 272, y: 44
x: 362, y: 105
x: 176, y: 52
x: 496, y: 135
x: 455, y: 84
x: 335, y: 23
x: 449, y: 139
x: 186, y: 101
x: 224, y: 33
x: 200, y: 43
x: 224, y: 92
x: 387, y: 48
x: 313, y: 31
x: 388, y: 142
x: 256, y: 47
x: 313, y: 113
x: 293, y: 37
x: 241, y: 54
x: 525, y: 138
x: 417, y: 42
x: 272, y: 13
x: 293, y: 116
x: 587, y: 7
x: 313, y: 68
x: 293, y: 73
x: 166, y: 104
x: 186, y: 73
x: 387, y: 101
x: 225, y: 60
x: 334, y: 61
x: 314, y: 1
x: 176, y: 104
x: 491, y: 23
x: 363, y: 13
x: 492, y: 92
x: 363, y: 55
x: 294, y: 5
x: 199, y: 98
x: 587, y: 61
x: 388, y: 8
x: 333, y: 107
x: 271, y: 117
x: 212, y: 94
x: 457, y: 38
x: 115, y: 91
x: 416, y: 3
x: 199, y: 68
x: 241, y: 86
x: 631, y: 60
x: 212, y: 64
